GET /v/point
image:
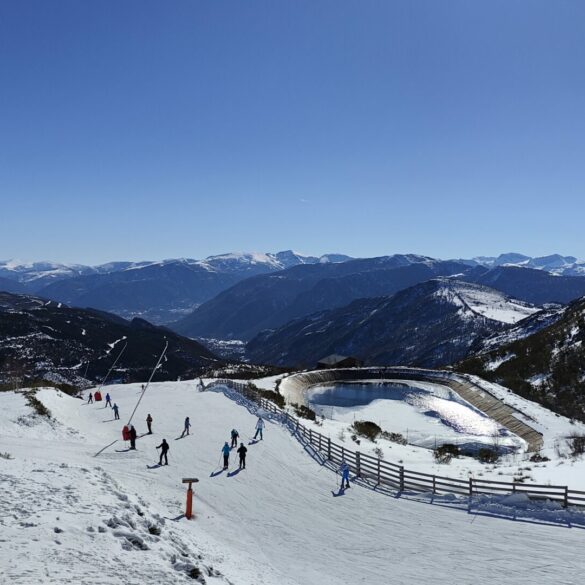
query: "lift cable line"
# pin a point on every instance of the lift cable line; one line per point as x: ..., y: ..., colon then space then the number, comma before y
x: 112, y: 367
x: 164, y: 351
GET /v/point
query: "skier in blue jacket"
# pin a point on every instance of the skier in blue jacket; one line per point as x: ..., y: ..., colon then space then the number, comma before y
x: 226, y: 455
x: 108, y: 401
x: 344, y: 470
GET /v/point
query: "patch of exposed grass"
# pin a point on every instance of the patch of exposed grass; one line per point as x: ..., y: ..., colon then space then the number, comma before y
x: 36, y: 404
x: 367, y: 428
x: 394, y: 437
x: 445, y: 453
x: 303, y: 411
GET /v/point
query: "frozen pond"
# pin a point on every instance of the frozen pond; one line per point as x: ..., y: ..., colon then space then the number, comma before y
x: 426, y: 414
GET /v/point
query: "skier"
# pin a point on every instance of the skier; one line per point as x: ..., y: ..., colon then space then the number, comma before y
x: 187, y: 427
x: 132, y: 437
x: 115, y: 409
x: 235, y: 436
x: 226, y: 455
x: 149, y: 424
x: 164, y: 447
x: 344, y: 470
x: 259, y: 427
x: 108, y: 401
x: 90, y: 399
x: 242, y: 453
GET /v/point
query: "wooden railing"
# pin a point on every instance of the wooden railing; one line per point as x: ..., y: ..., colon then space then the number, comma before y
x: 383, y: 473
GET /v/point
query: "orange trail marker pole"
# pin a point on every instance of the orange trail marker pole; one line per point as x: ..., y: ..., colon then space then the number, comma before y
x: 189, y: 509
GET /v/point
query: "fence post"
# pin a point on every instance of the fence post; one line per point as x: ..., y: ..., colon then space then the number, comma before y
x: 402, y: 478
x: 329, y: 448
x: 470, y: 486
x: 379, y: 474
x: 310, y: 436
x: 297, y: 426
x: 357, y: 464
x: 320, y: 435
x: 566, y: 498
x: 434, y: 484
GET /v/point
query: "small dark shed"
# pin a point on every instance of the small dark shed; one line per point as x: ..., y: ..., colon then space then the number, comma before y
x: 339, y: 361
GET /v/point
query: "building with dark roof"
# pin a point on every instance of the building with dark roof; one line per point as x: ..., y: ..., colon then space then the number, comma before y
x: 339, y: 361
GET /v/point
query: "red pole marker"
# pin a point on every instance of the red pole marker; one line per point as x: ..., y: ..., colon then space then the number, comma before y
x: 189, y: 509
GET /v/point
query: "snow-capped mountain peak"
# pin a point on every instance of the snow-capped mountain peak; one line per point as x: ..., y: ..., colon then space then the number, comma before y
x: 553, y: 263
x: 271, y: 261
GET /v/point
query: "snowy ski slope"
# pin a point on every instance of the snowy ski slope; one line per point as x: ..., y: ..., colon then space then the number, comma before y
x: 68, y: 516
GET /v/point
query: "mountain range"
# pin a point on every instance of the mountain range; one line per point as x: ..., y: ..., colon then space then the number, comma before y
x: 512, y: 319
x: 431, y: 324
x: 160, y: 292
x: 270, y: 301
x: 42, y: 339
x: 547, y: 366
x: 169, y: 291
x: 553, y: 263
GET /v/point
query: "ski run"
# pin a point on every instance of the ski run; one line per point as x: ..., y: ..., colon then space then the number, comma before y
x: 78, y: 507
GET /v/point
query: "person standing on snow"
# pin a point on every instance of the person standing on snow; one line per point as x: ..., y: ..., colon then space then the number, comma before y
x: 187, y: 427
x: 259, y: 427
x: 164, y: 447
x: 344, y: 470
x: 108, y: 401
x: 90, y: 399
x: 235, y: 436
x: 149, y: 424
x: 115, y: 409
x: 226, y: 455
x: 132, y: 437
x: 242, y: 453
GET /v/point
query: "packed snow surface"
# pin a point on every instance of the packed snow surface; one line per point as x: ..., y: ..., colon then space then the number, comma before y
x: 77, y: 507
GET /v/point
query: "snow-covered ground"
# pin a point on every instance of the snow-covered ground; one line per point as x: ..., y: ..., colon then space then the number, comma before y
x: 426, y: 414
x: 487, y: 302
x: 76, y: 507
x: 560, y: 470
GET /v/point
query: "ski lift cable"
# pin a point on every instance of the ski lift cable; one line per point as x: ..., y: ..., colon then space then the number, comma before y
x: 149, y: 380
x: 112, y: 367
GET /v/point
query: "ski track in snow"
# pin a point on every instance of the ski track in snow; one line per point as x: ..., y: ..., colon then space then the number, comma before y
x: 67, y: 516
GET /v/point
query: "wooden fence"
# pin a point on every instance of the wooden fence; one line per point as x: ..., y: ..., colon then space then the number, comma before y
x: 386, y: 474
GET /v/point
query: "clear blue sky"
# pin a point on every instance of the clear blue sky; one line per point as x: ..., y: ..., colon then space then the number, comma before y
x: 141, y: 129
